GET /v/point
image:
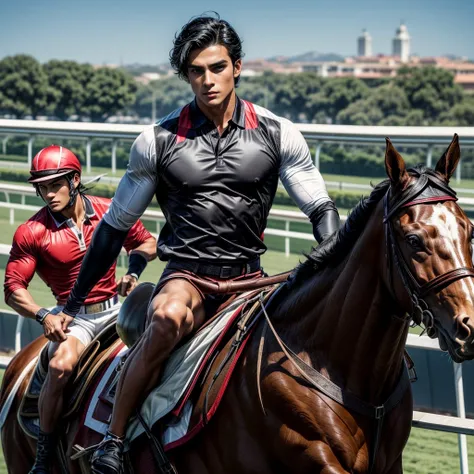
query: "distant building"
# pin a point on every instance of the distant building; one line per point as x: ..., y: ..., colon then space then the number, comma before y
x: 380, y: 66
x: 401, y: 44
x: 257, y: 67
x: 147, y: 77
x: 364, y: 66
x: 364, y: 44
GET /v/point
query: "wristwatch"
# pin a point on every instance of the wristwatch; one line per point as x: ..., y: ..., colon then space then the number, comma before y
x: 41, y: 315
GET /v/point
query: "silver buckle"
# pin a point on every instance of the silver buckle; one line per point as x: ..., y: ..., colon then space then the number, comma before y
x: 225, y: 272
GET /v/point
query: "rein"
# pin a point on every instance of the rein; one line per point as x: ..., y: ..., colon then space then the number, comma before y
x: 226, y: 286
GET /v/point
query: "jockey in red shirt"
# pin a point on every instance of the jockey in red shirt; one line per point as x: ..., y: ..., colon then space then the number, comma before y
x: 53, y: 243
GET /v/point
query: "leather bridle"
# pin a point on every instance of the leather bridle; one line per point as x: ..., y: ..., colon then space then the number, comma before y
x: 428, y: 188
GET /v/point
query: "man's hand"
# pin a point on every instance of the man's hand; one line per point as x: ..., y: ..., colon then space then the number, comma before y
x: 126, y: 284
x: 54, y: 327
x: 67, y: 320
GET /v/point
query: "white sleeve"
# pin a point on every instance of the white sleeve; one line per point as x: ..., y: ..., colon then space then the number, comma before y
x: 299, y: 176
x: 137, y: 187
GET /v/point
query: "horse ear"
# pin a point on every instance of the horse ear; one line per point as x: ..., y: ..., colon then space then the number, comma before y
x: 450, y: 159
x: 395, y: 166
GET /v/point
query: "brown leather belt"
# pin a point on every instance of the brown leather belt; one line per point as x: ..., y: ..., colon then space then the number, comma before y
x: 99, y: 307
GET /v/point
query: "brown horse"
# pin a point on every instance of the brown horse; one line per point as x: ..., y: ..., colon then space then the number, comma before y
x: 404, y: 253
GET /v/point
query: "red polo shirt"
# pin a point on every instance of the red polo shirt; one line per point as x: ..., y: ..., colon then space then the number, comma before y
x: 53, y: 247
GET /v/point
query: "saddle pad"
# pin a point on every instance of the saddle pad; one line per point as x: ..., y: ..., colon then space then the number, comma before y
x: 193, y: 417
x: 178, y: 373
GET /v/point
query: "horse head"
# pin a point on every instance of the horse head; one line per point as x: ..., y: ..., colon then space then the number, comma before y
x: 429, y: 246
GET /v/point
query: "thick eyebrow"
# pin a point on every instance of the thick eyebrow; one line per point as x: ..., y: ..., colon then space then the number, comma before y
x: 222, y: 62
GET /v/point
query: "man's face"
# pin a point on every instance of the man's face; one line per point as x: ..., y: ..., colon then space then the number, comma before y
x: 56, y: 193
x: 212, y: 74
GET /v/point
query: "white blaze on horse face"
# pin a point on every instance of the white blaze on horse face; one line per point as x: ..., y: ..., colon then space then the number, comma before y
x: 450, y: 231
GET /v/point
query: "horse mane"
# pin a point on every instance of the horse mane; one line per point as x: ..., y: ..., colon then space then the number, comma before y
x: 333, y: 250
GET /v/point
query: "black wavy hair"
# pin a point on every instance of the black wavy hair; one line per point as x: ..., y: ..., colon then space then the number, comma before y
x: 202, y: 32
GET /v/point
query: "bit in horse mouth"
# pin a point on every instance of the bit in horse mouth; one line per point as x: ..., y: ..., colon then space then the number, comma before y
x: 457, y: 354
x: 446, y: 345
x: 443, y: 344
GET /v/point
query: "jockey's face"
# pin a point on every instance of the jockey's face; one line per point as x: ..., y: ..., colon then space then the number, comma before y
x: 212, y: 74
x: 56, y: 192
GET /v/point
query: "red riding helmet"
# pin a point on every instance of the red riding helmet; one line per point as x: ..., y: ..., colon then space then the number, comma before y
x: 52, y: 162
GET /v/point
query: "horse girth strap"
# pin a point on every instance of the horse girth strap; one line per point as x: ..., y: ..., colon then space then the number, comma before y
x: 227, y: 286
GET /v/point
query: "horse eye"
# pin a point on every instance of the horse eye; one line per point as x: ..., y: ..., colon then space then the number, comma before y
x: 415, y: 242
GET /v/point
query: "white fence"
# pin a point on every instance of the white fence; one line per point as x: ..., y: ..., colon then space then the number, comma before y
x: 315, y: 134
x: 158, y: 217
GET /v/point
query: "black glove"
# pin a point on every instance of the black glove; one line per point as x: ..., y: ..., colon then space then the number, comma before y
x: 325, y: 220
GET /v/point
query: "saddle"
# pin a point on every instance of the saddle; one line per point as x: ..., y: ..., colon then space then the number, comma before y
x: 189, y: 410
x: 89, y: 366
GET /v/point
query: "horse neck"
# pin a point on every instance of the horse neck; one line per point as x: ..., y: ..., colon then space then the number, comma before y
x: 356, y: 333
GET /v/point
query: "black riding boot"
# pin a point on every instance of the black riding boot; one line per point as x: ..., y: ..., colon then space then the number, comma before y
x: 108, y: 457
x: 44, y: 453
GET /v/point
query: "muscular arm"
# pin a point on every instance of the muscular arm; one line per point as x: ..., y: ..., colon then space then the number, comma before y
x: 134, y: 193
x: 304, y: 183
x: 22, y: 302
x: 102, y: 252
x: 20, y: 269
x: 138, y: 259
x: 147, y: 250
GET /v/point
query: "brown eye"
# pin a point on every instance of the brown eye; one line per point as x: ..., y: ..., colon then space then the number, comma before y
x: 414, y: 242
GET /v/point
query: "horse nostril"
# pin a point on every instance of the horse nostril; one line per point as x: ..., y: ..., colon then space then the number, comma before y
x: 464, y: 329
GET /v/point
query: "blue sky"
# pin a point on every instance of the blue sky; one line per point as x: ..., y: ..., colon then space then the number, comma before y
x: 119, y: 31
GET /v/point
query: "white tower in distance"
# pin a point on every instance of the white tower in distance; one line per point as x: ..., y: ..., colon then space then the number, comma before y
x: 401, y: 43
x: 364, y: 44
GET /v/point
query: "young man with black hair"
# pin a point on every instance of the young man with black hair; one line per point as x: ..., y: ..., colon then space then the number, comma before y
x: 214, y: 166
x: 52, y: 243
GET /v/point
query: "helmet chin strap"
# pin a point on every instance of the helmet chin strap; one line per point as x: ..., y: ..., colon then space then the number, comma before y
x: 73, y: 192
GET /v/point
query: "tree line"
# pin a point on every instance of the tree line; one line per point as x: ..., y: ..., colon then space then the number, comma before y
x: 415, y: 96
x: 65, y: 89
